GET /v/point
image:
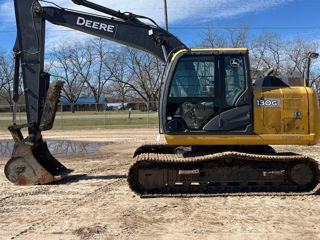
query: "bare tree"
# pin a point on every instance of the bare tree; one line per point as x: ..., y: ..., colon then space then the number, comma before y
x: 6, y: 77
x: 238, y: 36
x: 217, y: 37
x: 82, y: 61
x: 63, y: 69
x: 105, y: 67
x: 286, y: 57
x: 118, y: 88
x: 297, y: 52
x: 144, y: 78
x: 120, y: 91
x: 94, y: 66
x: 213, y: 38
x: 267, y: 51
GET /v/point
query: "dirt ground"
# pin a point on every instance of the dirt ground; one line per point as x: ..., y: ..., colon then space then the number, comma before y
x: 95, y: 202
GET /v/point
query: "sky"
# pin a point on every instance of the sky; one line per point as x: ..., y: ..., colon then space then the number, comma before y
x: 189, y: 18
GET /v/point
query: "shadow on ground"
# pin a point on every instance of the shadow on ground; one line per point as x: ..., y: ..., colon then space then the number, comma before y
x: 85, y: 177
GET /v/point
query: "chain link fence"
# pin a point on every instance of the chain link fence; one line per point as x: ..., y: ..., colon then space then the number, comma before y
x: 91, y: 115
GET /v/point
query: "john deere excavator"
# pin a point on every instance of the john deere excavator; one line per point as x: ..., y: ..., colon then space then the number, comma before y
x: 217, y: 124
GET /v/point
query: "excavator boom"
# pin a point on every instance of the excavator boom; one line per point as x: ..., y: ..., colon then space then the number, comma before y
x: 148, y: 38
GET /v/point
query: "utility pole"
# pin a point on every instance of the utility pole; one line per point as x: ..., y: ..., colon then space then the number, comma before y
x: 166, y: 14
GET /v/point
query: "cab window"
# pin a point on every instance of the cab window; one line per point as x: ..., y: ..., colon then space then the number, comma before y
x: 194, y: 77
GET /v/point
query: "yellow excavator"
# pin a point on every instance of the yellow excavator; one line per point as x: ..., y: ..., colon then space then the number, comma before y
x: 217, y: 123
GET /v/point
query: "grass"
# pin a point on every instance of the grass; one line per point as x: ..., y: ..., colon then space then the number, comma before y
x: 94, y: 123
x: 8, y: 114
x: 101, y: 112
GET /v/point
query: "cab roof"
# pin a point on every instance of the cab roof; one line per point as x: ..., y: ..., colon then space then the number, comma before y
x: 209, y: 50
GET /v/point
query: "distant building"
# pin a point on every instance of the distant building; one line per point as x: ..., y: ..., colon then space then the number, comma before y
x: 83, y: 100
x: 117, y: 106
x: 83, y: 104
x: 124, y: 106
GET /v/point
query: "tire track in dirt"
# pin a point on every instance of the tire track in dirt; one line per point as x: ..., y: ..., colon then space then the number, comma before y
x: 69, y: 209
x: 24, y: 194
x: 87, y: 199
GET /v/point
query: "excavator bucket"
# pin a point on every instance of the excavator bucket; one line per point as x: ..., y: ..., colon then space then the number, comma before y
x: 31, y: 165
x: 31, y: 162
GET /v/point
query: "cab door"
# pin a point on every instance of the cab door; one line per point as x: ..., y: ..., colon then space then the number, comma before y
x: 235, y: 96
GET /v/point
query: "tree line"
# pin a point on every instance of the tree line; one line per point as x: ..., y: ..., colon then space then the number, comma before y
x: 267, y: 50
x: 96, y: 68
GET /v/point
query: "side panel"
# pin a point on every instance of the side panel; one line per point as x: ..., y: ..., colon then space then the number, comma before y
x: 280, y: 110
x: 314, y: 117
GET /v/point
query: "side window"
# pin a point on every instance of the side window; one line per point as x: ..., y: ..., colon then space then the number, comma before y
x: 234, y: 78
x: 194, y: 77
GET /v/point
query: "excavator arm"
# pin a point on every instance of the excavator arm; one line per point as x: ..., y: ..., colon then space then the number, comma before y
x: 31, y: 161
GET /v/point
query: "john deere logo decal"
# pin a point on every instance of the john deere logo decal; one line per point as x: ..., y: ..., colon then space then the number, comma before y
x: 234, y: 62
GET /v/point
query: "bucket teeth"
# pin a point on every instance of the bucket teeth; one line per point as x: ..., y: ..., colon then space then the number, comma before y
x: 30, y: 165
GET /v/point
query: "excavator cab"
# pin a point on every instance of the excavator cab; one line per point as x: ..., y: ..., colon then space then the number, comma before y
x: 208, y: 91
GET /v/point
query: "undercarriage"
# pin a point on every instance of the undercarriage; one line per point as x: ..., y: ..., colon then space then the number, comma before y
x: 163, y: 170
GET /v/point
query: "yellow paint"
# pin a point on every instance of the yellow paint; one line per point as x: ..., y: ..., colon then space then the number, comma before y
x: 314, y: 116
x: 261, y: 139
x: 207, y: 50
x: 295, y: 122
x: 283, y: 119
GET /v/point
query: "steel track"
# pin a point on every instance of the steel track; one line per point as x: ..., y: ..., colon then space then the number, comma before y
x: 163, y: 163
